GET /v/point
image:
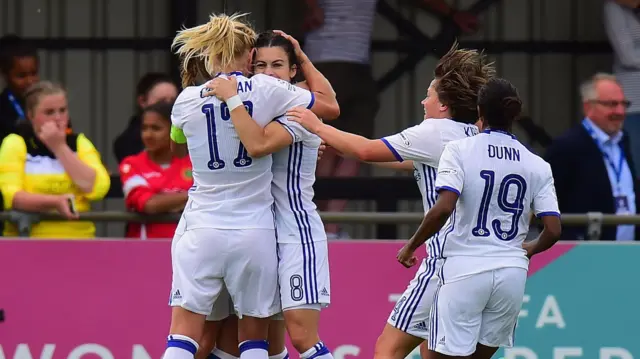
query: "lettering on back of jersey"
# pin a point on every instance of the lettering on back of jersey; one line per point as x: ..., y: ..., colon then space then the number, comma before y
x: 504, y: 153
x: 470, y: 131
x: 245, y: 86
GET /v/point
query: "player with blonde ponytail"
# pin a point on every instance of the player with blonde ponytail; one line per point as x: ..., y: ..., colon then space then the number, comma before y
x: 224, y: 249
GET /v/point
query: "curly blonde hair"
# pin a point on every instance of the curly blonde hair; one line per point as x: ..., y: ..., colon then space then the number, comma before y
x: 212, y: 47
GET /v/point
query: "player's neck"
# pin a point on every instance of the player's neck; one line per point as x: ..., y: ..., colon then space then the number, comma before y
x: 489, y: 128
x: 160, y: 157
x: 233, y: 68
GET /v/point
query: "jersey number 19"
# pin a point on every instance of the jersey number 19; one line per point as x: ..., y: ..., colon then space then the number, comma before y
x: 515, y: 207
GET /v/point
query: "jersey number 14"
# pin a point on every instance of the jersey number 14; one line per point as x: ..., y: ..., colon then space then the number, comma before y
x: 215, y: 160
x: 514, y: 207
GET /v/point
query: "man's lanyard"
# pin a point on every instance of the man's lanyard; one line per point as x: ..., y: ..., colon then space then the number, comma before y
x: 617, y: 170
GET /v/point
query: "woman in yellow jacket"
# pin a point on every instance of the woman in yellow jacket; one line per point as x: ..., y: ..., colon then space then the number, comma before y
x: 46, y: 165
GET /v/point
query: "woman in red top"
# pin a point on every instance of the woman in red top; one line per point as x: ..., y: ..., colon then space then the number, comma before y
x: 155, y: 181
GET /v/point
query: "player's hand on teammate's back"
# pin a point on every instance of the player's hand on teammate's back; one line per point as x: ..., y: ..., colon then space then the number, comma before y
x: 406, y: 257
x: 306, y: 118
x: 223, y: 88
x: 321, y: 149
x: 529, y: 247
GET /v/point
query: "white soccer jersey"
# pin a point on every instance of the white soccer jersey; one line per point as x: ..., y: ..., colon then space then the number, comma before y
x: 294, y: 168
x: 423, y: 144
x: 500, y: 182
x: 231, y: 190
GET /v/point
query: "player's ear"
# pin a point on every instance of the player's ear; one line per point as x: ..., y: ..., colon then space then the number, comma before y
x: 443, y: 107
x: 293, y: 71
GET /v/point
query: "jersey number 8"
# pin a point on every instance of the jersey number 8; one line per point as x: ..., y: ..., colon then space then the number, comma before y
x: 514, y: 207
x: 215, y: 160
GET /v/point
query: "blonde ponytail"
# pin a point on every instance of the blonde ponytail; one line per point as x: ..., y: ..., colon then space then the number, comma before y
x: 212, y: 47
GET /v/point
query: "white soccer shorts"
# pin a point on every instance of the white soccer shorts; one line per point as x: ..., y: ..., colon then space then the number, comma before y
x: 303, y: 271
x: 482, y: 308
x: 244, y: 261
x: 222, y: 307
x: 411, y: 312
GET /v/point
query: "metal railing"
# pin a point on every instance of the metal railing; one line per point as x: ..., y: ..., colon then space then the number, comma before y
x: 593, y: 221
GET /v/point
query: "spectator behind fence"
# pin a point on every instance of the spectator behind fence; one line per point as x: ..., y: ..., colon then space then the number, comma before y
x: 152, y: 88
x: 339, y: 44
x: 592, y: 163
x: 154, y: 181
x: 19, y: 69
x: 622, y: 22
x: 46, y: 167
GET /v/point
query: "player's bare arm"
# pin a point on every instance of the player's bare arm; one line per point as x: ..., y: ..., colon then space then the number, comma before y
x: 431, y: 224
x: 351, y: 145
x: 398, y: 166
x: 547, y: 238
x: 257, y: 141
x: 315, y: 80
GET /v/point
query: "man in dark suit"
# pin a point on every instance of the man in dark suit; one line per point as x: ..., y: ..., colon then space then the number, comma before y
x: 591, y: 163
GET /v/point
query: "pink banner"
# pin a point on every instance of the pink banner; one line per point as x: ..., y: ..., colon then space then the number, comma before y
x: 108, y: 299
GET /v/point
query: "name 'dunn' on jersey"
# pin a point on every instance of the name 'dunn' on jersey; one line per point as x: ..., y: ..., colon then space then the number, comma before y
x: 500, y: 184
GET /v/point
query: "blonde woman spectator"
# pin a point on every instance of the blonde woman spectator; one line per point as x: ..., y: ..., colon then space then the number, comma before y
x: 48, y: 168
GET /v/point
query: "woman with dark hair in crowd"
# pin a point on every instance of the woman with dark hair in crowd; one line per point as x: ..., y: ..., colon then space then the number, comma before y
x: 19, y: 70
x: 45, y: 167
x: 155, y: 181
x: 152, y: 88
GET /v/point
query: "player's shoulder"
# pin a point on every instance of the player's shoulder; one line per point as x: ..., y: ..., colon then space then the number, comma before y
x: 190, y: 93
x: 538, y: 164
x: 266, y: 81
x: 462, y: 143
x: 450, y: 129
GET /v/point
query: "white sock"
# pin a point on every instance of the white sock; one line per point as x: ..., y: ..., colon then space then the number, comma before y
x: 283, y: 355
x: 219, y: 354
x: 180, y: 347
x: 318, y: 351
x: 253, y: 349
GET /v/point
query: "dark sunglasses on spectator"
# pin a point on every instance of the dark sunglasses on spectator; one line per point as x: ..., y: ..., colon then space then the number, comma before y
x: 612, y: 104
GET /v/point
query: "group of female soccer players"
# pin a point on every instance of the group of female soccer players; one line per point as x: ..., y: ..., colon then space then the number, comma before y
x: 254, y: 143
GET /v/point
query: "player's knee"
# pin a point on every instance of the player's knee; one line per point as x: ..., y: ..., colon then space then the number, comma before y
x: 391, y: 345
x: 252, y: 328
x: 301, y: 338
x: 382, y: 347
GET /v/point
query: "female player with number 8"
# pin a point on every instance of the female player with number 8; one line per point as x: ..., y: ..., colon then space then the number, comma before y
x: 303, y: 266
x: 225, y: 241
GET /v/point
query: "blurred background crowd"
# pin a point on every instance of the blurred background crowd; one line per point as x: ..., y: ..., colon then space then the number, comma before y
x: 88, y: 87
